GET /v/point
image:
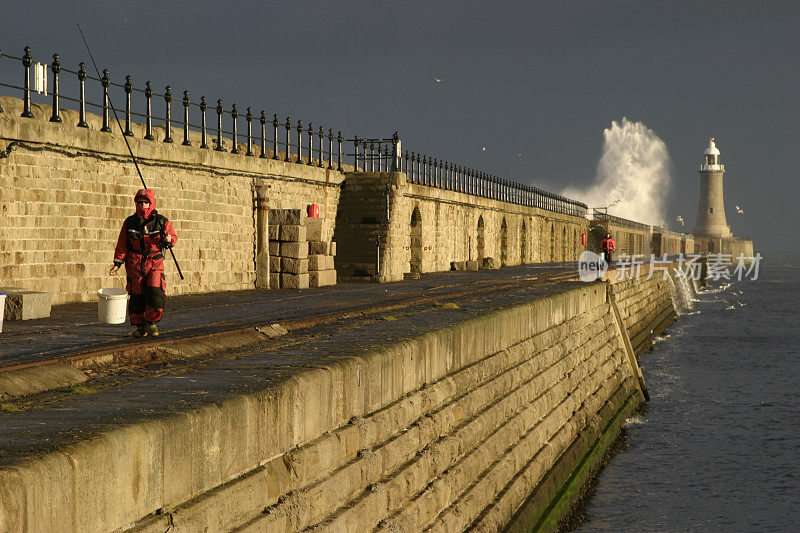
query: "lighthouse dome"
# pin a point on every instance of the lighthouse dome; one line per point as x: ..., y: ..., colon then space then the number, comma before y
x: 712, y: 148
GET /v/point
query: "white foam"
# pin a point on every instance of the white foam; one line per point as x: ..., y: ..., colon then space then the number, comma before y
x: 634, y: 421
x: 634, y: 173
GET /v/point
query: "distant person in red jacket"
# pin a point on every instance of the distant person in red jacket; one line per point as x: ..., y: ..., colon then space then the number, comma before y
x: 607, y: 245
x: 143, y: 237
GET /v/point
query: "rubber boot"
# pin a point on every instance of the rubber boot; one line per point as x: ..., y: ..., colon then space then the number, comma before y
x: 140, y: 331
x: 152, y: 329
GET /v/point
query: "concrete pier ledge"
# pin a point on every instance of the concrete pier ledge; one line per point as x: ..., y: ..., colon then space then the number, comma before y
x: 446, y: 414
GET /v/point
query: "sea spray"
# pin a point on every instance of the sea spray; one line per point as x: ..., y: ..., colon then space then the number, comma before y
x: 634, y: 172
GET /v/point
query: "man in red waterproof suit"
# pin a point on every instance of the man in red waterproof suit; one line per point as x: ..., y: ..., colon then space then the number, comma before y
x: 140, y: 244
x: 607, y: 245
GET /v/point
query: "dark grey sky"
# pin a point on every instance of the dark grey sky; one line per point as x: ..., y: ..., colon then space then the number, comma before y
x: 539, y: 78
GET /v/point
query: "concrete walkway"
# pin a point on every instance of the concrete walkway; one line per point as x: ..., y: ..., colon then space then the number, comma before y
x: 74, y: 328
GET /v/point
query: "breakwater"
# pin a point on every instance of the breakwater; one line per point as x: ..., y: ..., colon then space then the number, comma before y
x: 491, y: 412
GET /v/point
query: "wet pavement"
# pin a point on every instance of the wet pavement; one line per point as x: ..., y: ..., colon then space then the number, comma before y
x: 75, y: 328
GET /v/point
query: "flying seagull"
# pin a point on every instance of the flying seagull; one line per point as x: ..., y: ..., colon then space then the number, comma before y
x: 680, y: 219
x: 435, y: 79
x: 483, y: 149
x: 739, y: 210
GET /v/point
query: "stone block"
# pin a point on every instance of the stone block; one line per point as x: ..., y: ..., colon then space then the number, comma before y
x: 287, y: 216
x: 292, y: 233
x: 316, y: 262
x: 274, y: 232
x: 318, y: 247
x: 294, y: 266
x: 472, y: 265
x: 274, y: 280
x: 274, y: 248
x: 332, y: 248
x: 275, y: 263
x: 295, y: 250
x: 322, y: 278
x: 294, y: 281
x: 314, y: 228
x: 490, y: 263
x: 458, y: 265
x: 22, y: 304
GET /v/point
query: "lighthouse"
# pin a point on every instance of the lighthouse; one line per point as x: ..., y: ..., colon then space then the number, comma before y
x: 711, y: 221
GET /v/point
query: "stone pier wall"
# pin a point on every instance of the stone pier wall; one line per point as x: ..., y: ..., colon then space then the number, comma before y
x: 479, y: 424
x: 64, y: 192
x: 429, y: 229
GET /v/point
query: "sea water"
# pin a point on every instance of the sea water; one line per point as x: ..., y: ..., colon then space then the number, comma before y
x: 717, y: 448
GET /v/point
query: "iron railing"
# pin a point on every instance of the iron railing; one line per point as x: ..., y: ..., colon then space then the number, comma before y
x: 304, y: 144
x: 311, y: 145
x: 621, y: 222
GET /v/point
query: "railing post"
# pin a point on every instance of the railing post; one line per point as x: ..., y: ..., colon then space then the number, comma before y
x: 82, y: 107
x: 339, y: 139
x: 396, y: 163
x: 249, y: 118
x: 275, y: 125
x: 56, y: 68
x: 372, y: 156
x: 263, y: 121
x: 355, y: 154
x: 234, y: 116
x: 321, y: 134
x: 310, y: 144
x: 203, y: 132
x: 219, y: 147
x: 299, y: 141
x: 148, y: 95
x: 27, y: 61
x: 330, y: 149
x: 288, y: 157
x: 186, y: 103
x: 426, y: 174
x: 168, y: 118
x: 128, y: 105
x: 105, y: 82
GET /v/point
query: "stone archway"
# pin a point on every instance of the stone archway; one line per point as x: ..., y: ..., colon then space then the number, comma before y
x: 481, y: 239
x: 523, y: 243
x: 416, y: 242
x: 503, y: 243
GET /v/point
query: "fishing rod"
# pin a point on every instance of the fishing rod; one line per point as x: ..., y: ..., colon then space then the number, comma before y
x: 124, y: 137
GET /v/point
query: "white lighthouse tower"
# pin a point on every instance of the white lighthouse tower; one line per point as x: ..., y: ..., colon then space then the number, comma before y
x: 711, y: 221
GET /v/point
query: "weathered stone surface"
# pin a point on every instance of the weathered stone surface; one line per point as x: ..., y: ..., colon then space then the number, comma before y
x: 314, y: 228
x: 316, y: 262
x: 295, y: 250
x: 26, y: 305
x: 294, y: 281
x: 472, y: 265
x: 274, y: 232
x: 275, y: 280
x: 32, y: 380
x: 458, y: 265
x: 321, y: 278
x: 275, y: 263
x: 490, y: 263
x: 294, y: 266
x: 450, y: 428
x: 274, y: 249
x: 319, y: 247
x: 287, y: 216
x: 292, y: 233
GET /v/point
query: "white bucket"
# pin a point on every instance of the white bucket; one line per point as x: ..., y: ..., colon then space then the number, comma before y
x: 2, y: 309
x: 112, y: 305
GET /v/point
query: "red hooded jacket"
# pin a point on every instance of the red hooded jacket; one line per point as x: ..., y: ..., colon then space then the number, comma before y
x: 141, y: 240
